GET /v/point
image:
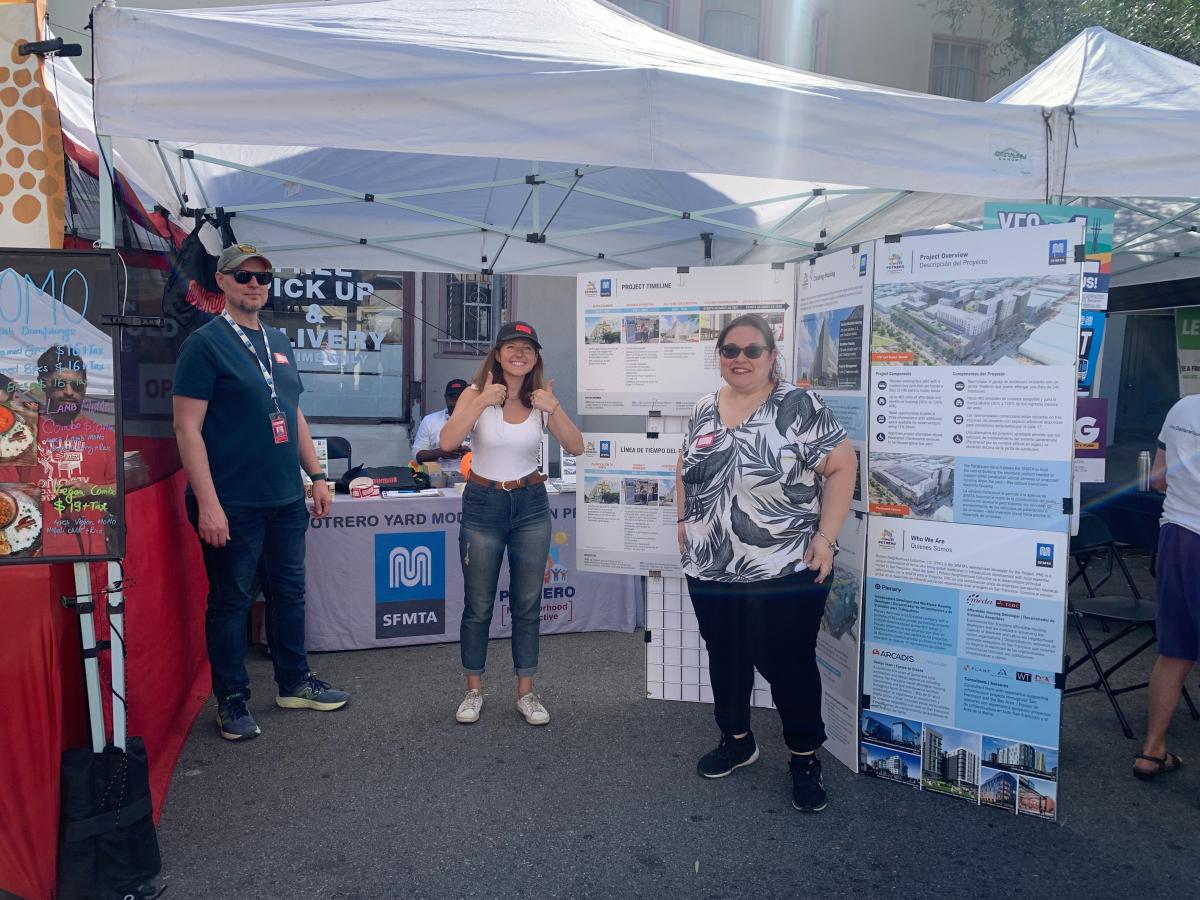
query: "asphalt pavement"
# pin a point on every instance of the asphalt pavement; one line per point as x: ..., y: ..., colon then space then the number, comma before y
x: 391, y: 798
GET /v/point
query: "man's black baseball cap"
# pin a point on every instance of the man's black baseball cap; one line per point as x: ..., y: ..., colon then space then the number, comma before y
x: 455, y: 386
x: 511, y: 331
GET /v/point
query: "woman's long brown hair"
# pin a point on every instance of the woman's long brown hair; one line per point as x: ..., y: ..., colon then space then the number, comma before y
x: 534, y: 379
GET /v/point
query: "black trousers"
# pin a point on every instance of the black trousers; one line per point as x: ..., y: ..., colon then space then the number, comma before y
x: 772, y: 626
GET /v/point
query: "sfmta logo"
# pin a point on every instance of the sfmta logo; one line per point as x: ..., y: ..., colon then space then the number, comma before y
x: 410, y: 567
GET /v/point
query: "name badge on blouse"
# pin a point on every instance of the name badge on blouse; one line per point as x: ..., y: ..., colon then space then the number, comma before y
x: 279, y: 428
x: 705, y: 440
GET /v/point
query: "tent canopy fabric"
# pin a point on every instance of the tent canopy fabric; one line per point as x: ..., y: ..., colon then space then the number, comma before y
x: 560, y: 136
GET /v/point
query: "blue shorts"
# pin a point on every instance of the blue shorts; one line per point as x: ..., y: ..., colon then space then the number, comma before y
x: 1178, y: 592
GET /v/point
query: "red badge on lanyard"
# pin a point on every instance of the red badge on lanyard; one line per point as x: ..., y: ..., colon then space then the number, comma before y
x: 279, y: 428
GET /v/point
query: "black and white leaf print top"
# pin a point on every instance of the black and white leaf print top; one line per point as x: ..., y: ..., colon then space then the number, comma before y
x: 752, y: 500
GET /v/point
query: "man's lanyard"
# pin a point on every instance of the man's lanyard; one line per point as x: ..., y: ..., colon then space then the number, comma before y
x: 266, y: 368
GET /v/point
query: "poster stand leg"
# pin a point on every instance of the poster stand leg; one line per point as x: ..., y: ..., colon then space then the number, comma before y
x: 91, y: 663
x: 116, y: 626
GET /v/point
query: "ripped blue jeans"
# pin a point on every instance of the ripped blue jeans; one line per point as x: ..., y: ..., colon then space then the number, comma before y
x: 494, y: 520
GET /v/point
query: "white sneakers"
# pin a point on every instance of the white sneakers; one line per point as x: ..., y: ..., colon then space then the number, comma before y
x: 533, y: 711
x: 530, y: 706
x: 468, y: 710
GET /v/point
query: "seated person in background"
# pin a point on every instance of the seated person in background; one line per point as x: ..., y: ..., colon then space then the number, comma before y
x: 425, y: 444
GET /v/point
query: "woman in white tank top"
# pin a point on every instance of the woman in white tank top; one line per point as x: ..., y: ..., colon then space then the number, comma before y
x: 505, y: 508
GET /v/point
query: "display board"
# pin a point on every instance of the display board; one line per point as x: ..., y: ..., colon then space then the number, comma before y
x: 646, y: 340
x: 61, y: 473
x: 625, y: 489
x: 1187, y: 345
x: 973, y: 376
x: 833, y: 326
x: 1097, y: 242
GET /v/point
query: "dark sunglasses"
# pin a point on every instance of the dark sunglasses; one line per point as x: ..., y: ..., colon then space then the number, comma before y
x: 751, y: 351
x: 242, y: 276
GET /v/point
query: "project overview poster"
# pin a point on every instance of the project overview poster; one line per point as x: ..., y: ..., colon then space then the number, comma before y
x: 963, y: 636
x: 1097, y: 246
x: 626, y: 510
x: 646, y: 340
x: 833, y: 327
x: 61, y: 472
x: 974, y: 347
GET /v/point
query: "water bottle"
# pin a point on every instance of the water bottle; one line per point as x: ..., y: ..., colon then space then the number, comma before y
x: 1143, y: 470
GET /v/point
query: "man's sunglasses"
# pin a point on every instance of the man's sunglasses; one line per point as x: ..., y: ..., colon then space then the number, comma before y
x: 751, y: 351
x: 243, y: 276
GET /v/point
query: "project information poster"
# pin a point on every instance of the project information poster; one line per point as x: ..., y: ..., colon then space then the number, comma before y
x: 625, y: 509
x: 1098, y: 239
x: 646, y: 340
x: 839, y: 643
x: 61, y: 473
x: 962, y: 640
x: 833, y: 327
x: 974, y: 348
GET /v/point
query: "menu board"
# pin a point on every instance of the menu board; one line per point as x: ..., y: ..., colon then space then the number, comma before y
x: 61, y: 480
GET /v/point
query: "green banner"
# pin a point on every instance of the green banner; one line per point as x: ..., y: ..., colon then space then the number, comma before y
x: 1187, y: 345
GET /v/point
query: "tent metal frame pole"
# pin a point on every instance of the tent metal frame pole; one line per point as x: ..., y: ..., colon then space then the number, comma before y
x: 1170, y: 221
x: 91, y: 665
x: 782, y: 223
x: 116, y: 628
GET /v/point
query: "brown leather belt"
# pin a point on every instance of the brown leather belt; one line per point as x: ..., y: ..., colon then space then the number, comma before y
x: 515, y: 484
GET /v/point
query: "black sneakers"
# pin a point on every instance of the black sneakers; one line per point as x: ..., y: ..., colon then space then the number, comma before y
x: 732, y: 753
x: 808, y: 793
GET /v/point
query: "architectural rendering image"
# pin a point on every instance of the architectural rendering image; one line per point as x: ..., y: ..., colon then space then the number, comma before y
x: 924, y: 484
x: 884, y: 762
x: 950, y: 761
x: 903, y: 734
x: 640, y: 491
x: 829, y: 349
x: 1036, y: 797
x: 998, y: 789
x: 978, y: 322
x: 680, y: 329
x: 601, y: 330
x: 1025, y: 759
x: 640, y: 329
x: 598, y: 489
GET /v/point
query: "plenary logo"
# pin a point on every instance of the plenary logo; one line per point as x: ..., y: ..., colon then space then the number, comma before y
x: 887, y: 540
x: 862, y: 264
x: 410, y: 584
x: 605, y: 287
x: 606, y: 449
x: 1058, y: 253
x: 895, y: 262
x: 1045, y: 556
x: 1010, y: 155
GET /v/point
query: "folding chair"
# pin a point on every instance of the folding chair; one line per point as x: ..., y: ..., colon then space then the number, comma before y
x: 1132, y: 611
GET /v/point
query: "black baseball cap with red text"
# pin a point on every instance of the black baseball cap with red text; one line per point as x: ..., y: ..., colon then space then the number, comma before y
x: 511, y: 331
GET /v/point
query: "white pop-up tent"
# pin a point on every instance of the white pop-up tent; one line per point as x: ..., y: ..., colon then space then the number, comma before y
x: 544, y: 135
x: 520, y: 135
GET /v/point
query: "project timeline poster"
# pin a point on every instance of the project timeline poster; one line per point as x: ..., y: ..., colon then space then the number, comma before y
x: 974, y: 347
x: 833, y: 328
x: 626, y: 506
x: 646, y: 340
x: 962, y: 639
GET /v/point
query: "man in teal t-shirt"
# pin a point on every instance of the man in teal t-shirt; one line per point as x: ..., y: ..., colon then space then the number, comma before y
x: 243, y: 441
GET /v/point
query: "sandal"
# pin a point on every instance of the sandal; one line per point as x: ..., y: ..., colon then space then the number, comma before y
x: 1164, y: 764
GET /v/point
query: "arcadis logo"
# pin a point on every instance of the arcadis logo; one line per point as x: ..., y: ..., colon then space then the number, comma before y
x: 410, y: 584
x: 892, y: 654
x: 1045, y: 556
x: 1058, y: 253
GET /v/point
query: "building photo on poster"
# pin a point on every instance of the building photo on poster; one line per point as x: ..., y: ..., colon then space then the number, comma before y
x: 61, y: 484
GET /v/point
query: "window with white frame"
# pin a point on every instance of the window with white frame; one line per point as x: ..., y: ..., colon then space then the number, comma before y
x: 656, y: 12
x: 468, y: 314
x: 957, y: 69
x: 732, y: 25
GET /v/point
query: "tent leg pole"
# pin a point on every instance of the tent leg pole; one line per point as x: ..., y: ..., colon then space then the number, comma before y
x: 116, y: 627
x: 91, y: 665
x: 108, y: 220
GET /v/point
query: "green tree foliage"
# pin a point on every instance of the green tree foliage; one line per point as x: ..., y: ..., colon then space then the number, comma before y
x: 1028, y: 31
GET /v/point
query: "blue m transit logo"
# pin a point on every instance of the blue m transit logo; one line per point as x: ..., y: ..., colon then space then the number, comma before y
x: 1045, y: 556
x: 410, y: 566
x: 1058, y: 253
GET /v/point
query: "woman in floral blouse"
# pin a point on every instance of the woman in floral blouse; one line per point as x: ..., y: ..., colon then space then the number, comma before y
x: 765, y: 480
